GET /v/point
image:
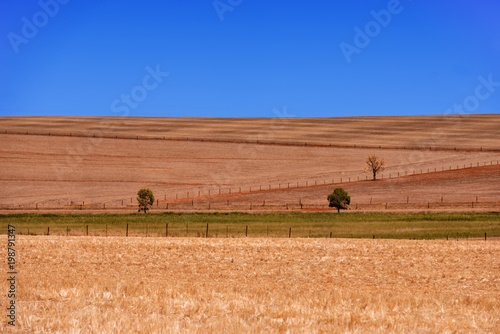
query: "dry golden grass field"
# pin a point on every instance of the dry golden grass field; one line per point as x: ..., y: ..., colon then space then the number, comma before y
x: 60, y: 171
x: 253, y: 285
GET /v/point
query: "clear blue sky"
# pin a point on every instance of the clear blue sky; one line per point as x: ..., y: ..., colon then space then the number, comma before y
x: 248, y: 57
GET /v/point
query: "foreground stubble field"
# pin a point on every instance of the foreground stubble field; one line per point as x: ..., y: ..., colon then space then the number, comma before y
x: 143, y: 285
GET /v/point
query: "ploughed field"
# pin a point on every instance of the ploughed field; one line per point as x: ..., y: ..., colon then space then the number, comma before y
x: 244, y: 161
x: 437, y: 131
x: 119, y: 285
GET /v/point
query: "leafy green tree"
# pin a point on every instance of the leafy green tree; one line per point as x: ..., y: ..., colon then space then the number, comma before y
x: 339, y: 199
x: 146, y: 199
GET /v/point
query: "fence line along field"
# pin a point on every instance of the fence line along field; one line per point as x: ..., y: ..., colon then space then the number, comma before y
x: 119, y: 285
x: 273, y: 225
x: 65, y: 170
x: 423, y: 131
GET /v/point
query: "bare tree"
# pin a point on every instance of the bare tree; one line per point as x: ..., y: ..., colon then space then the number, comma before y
x: 374, y: 164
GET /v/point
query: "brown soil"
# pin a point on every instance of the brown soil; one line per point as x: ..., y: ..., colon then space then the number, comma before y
x: 57, y: 171
x: 435, y: 131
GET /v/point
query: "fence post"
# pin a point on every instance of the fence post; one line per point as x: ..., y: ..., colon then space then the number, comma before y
x: 126, y: 234
x: 330, y: 234
x: 206, y: 236
x: 290, y: 233
x: 87, y: 230
x: 48, y: 230
x: 484, y: 236
x: 166, y: 230
x: 246, y: 232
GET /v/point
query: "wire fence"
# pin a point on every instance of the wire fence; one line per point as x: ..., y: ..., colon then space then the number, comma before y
x: 221, y: 230
x: 243, y: 141
x: 200, y: 197
x: 264, y: 206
